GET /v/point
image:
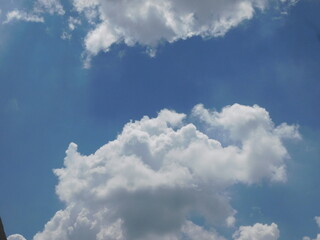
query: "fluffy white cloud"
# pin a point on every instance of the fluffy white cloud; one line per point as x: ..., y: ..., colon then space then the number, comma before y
x: 149, y: 22
x: 257, y: 232
x: 152, y: 22
x: 251, y: 127
x: 22, y: 16
x: 16, y: 237
x: 159, y: 172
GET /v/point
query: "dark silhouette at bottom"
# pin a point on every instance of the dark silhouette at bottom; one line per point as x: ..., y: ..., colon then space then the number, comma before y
x: 2, y: 233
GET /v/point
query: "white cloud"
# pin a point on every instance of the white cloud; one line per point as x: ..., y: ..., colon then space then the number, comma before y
x: 150, y: 22
x: 251, y: 127
x: 73, y: 22
x: 23, y: 16
x: 159, y: 171
x: 257, y: 232
x: 16, y: 237
x: 66, y: 35
x: 290, y: 2
x: 50, y: 6
x: 37, y: 13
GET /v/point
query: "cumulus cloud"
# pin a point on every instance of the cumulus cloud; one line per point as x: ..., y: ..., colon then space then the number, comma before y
x: 16, y: 237
x: 257, y: 232
x: 22, y: 16
x: 160, y: 173
x: 150, y: 22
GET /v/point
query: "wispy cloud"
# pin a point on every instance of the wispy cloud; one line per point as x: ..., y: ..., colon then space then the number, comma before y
x: 49, y: 6
x: 17, y: 15
x: 40, y: 8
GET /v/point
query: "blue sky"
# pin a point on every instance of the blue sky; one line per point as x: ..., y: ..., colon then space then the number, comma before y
x: 49, y: 99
